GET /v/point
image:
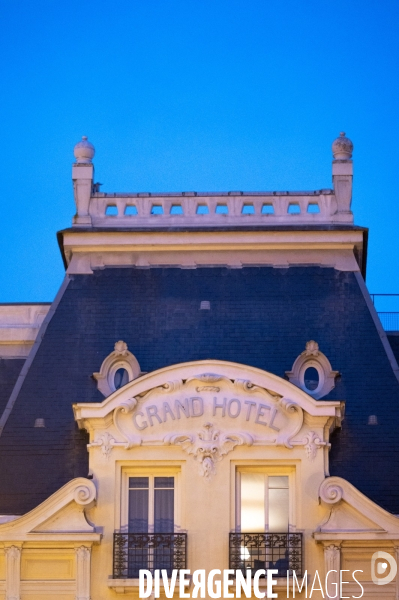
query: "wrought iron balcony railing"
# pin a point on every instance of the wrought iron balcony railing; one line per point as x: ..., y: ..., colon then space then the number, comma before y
x: 135, y: 551
x: 254, y: 551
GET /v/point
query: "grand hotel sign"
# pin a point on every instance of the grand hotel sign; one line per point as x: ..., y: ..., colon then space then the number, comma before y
x: 207, y: 414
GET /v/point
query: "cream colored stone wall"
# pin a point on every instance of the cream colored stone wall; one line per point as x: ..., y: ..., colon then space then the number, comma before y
x: 64, y: 548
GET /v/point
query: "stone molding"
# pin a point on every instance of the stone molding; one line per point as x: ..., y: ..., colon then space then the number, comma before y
x: 238, y: 207
x: 46, y: 520
x: 332, y: 564
x: 352, y: 515
x: 83, y: 558
x: 88, y: 250
x: 13, y: 572
x: 167, y: 376
x: 119, y: 421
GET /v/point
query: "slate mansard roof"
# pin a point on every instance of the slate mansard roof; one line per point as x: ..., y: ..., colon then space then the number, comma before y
x: 259, y: 316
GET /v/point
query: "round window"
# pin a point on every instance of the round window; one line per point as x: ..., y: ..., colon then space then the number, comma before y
x: 121, y: 378
x: 311, y: 379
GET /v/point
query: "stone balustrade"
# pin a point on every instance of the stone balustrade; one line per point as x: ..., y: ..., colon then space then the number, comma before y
x: 215, y: 209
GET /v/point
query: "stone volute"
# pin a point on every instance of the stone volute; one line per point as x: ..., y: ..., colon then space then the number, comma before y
x: 342, y: 147
x: 84, y: 151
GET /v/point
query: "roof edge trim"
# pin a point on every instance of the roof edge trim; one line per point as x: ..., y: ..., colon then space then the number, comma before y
x: 381, y: 331
x: 26, y: 366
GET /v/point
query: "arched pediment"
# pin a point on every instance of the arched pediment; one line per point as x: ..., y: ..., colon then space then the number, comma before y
x: 208, y: 408
x: 172, y: 375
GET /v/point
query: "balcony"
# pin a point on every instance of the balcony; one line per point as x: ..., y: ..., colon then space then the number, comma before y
x: 254, y: 551
x: 135, y: 551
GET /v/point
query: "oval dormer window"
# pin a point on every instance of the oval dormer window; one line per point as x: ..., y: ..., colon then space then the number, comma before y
x: 311, y: 379
x: 121, y: 378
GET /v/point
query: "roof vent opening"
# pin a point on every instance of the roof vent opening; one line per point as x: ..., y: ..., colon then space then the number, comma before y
x: 131, y: 210
x: 372, y: 420
x: 267, y: 209
x: 39, y: 423
x: 294, y: 209
x: 157, y: 209
x: 205, y: 305
x: 111, y: 210
x: 176, y: 209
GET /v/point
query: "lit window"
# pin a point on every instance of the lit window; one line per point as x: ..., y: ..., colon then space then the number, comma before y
x: 264, y: 503
x: 265, y: 531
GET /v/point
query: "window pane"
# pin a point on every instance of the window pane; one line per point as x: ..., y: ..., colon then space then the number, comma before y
x: 164, y: 509
x: 121, y: 378
x: 278, y: 482
x: 278, y: 504
x: 138, y: 482
x: 252, y: 502
x: 138, y: 509
x: 164, y: 482
x: 311, y: 378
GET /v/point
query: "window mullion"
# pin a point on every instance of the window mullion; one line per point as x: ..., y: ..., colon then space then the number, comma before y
x: 151, y: 505
x: 266, y: 503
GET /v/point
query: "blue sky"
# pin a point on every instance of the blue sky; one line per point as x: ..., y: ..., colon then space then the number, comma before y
x: 192, y: 95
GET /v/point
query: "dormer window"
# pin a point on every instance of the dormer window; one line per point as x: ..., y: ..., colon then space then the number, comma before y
x: 312, y: 371
x: 117, y: 369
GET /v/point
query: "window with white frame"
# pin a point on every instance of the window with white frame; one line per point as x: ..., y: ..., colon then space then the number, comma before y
x: 151, y: 504
x: 150, y: 536
x: 264, y: 500
x: 150, y: 500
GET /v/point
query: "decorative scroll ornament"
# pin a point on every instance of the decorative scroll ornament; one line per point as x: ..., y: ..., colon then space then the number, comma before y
x: 209, y: 446
x: 106, y: 441
x: 330, y: 493
x: 85, y: 494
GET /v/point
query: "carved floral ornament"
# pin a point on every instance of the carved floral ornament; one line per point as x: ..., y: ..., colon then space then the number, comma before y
x: 120, y: 358
x: 313, y: 357
x: 182, y: 413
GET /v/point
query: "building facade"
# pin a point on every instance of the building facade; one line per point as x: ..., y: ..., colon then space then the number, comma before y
x: 210, y: 389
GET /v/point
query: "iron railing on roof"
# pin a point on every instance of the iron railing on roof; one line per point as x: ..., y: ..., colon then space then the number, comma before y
x: 254, y: 551
x: 135, y: 551
x: 387, y: 307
